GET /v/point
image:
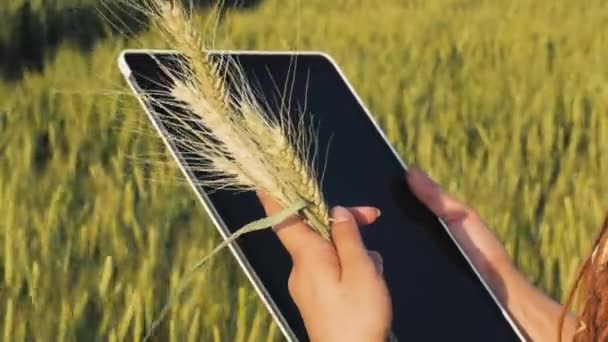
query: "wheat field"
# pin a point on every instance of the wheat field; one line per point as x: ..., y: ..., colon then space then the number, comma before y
x: 504, y: 102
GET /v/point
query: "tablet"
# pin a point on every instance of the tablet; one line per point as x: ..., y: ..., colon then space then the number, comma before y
x: 437, y: 295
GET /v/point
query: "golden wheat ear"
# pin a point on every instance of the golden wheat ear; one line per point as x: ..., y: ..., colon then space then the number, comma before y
x: 243, y: 146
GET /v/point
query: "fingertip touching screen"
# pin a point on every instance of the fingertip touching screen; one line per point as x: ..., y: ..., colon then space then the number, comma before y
x: 435, y: 293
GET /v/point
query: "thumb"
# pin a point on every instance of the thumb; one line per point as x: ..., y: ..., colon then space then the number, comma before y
x: 347, y: 239
x: 431, y: 195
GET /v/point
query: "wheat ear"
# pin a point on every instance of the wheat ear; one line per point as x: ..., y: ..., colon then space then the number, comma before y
x: 256, y: 152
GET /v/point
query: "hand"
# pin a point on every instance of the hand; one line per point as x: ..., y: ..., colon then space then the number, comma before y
x: 338, y: 288
x: 481, y: 246
x: 532, y: 311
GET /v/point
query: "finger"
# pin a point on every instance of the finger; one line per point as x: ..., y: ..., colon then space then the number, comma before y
x: 469, y: 230
x: 431, y: 195
x: 365, y: 215
x: 294, y: 234
x: 347, y: 240
x: 377, y: 260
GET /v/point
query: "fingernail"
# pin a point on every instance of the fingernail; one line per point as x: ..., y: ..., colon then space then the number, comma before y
x: 380, y: 268
x: 340, y: 214
x: 378, y: 212
x: 378, y: 261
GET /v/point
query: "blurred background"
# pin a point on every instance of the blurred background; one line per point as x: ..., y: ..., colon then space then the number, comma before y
x: 504, y: 102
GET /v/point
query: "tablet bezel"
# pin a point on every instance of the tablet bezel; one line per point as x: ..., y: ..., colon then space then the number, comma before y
x: 215, y: 217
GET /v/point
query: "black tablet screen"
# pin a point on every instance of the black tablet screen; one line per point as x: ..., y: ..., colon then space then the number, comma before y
x: 436, y: 295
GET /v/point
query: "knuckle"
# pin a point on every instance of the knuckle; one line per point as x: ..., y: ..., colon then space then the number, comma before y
x: 469, y: 211
x: 292, y: 284
x: 296, y: 255
x: 472, y: 214
x: 463, y: 211
x: 340, y: 229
